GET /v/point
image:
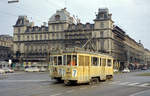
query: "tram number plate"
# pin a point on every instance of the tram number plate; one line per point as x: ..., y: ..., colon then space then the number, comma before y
x: 74, y: 72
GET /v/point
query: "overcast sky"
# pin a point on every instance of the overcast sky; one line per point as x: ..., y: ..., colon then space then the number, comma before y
x: 133, y: 16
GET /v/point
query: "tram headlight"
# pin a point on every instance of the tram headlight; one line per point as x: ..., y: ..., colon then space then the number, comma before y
x: 74, y: 72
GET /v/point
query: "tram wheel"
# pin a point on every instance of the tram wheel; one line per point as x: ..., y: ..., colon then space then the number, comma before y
x: 67, y: 83
x: 94, y: 81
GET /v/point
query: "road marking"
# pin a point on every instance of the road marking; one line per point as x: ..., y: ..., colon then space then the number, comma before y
x: 56, y: 94
x: 144, y: 85
x: 69, y: 91
x: 115, y: 82
x: 124, y: 83
x: 135, y: 94
x: 132, y: 84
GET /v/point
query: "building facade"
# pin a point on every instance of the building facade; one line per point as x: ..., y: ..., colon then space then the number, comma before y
x: 6, y: 51
x: 32, y: 44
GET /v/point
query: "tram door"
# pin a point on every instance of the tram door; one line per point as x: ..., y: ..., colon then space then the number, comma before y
x: 103, y: 68
x: 84, y: 68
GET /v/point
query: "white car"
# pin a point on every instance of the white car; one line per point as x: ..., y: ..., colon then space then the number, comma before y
x: 2, y: 71
x: 32, y: 69
x: 126, y: 70
x: 115, y: 70
x: 8, y: 70
x: 42, y: 69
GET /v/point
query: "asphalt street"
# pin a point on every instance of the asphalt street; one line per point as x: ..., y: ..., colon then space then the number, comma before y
x: 40, y: 84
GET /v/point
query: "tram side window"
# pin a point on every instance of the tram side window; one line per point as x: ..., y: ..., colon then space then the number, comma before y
x: 94, y: 61
x: 59, y: 60
x: 100, y: 62
x: 68, y: 59
x: 55, y: 61
x: 64, y: 60
x: 103, y: 62
x: 109, y: 63
x: 74, y: 60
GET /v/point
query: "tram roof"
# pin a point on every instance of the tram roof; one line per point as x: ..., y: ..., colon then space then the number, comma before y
x: 75, y: 50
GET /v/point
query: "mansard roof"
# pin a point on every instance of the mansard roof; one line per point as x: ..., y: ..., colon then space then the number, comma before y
x: 61, y: 16
x: 22, y: 21
x: 80, y: 26
x: 37, y: 29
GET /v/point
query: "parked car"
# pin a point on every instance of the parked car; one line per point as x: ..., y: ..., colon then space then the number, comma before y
x: 126, y: 70
x: 144, y: 68
x: 2, y: 71
x: 42, y: 69
x: 32, y: 69
x: 115, y: 70
x: 8, y: 70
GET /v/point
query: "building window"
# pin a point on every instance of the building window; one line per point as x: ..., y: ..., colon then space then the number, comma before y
x: 40, y: 37
x: 49, y: 36
x: 102, y: 25
x: 57, y: 17
x: 45, y: 36
x: 53, y: 34
x: 18, y: 38
x: 101, y: 34
x: 57, y: 27
x: 19, y: 30
x: 53, y: 27
x: 102, y: 16
x: 27, y: 37
x: 57, y: 35
x: 62, y: 27
x: 36, y: 37
x: 32, y: 37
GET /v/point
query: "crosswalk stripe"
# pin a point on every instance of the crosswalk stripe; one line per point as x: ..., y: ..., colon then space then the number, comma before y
x: 145, y: 84
x: 115, y: 82
x: 131, y: 84
x: 124, y: 83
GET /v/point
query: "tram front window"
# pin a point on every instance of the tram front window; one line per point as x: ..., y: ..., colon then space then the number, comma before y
x: 72, y: 60
x: 68, y: 59
x: 59, y: 60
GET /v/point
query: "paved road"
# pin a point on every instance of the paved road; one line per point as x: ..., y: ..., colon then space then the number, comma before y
x: 39, y: 84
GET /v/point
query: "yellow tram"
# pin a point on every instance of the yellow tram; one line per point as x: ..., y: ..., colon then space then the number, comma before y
x: 81, y: 67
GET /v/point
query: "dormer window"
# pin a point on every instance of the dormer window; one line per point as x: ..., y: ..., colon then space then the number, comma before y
x: 101, y: 16
x: 57, y: 17
x: 20, y: 22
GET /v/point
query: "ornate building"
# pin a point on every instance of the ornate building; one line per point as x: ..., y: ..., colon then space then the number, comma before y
x: 33, y: 43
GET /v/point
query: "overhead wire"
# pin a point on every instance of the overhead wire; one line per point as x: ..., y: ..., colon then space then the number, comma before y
x: 24, y: 10
x: 30, y: 13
